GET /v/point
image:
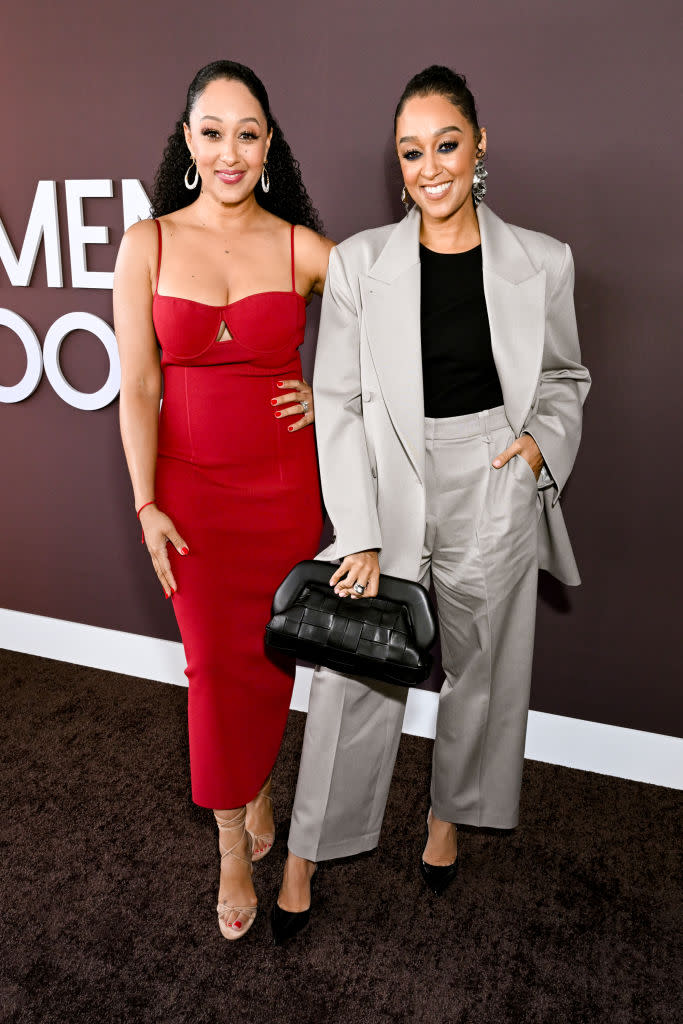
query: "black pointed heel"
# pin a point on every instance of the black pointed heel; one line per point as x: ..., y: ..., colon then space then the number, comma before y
x: 286, y: 924
x: 438, y: 878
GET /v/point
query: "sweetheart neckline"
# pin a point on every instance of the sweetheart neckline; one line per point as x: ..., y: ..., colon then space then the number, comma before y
x: 236, y: 302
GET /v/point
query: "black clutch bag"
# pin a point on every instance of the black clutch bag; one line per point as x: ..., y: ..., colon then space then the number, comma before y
x: 387, y: 637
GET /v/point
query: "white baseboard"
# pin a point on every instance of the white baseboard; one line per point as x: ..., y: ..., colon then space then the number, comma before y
x: 571, y: 742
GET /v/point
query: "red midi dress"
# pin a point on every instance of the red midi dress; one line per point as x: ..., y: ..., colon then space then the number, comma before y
x: 243, y: 492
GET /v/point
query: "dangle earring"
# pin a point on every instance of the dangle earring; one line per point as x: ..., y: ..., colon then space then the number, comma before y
x: 193, y: 184
x: 479, y: 179
x: 405, y: 199
x: 265, y: 180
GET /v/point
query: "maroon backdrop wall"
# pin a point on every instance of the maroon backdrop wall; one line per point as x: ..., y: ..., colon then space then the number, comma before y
x: 578, y: 101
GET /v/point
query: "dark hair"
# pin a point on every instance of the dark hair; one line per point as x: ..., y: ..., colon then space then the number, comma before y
x: 441, y: 81
x: 287, y: 198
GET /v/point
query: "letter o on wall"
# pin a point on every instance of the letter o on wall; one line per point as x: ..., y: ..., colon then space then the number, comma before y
x: 34, y: 358
x: 53, y: 343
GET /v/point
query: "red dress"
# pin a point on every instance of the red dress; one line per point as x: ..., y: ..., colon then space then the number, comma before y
x: 243, y: 492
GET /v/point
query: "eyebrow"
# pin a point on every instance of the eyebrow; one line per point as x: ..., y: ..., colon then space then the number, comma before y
x: 242, y: 120
x: 440, y: 131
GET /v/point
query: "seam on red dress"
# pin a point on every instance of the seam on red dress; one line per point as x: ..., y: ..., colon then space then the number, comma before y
x: 187, y: 415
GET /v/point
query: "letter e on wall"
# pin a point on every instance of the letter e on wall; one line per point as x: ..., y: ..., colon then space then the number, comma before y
x: 81, y: 234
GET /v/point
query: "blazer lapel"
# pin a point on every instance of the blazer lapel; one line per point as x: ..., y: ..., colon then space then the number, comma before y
x: 391, y: 305
x: 515, y: 300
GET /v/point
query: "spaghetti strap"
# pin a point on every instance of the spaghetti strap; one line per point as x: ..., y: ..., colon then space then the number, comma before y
x: 159, y: 256
x: 293, y: 273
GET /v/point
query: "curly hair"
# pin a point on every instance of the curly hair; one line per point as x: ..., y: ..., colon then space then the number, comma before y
x: 287, y: 198
x: 438, y: 80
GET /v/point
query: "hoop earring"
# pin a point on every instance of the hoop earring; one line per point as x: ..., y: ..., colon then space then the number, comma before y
x: 196, y: 176
x: 479, y: 180
x: 405, y: 199
x: 265, y: 180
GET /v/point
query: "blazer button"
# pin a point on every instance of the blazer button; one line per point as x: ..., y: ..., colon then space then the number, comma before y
x: 367, y: 396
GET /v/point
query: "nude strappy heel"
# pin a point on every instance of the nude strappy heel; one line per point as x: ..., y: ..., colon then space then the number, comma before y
x: 235, y: 825
x: 266, y: 837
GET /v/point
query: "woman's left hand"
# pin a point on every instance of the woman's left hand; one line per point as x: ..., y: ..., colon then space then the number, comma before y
x: 527, y: 448
x: 295, y: 403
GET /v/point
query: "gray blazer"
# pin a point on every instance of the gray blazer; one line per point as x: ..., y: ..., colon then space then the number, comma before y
x: 368, y: 383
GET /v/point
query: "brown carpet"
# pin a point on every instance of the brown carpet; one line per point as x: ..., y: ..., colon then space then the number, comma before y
x: 109, y: 886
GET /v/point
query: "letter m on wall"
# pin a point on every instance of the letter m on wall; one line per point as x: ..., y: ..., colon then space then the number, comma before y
x: 42, y: 225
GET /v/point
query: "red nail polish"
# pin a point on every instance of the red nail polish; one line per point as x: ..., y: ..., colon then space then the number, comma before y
x: 278, y: 414
x: 273, y: 401
x: 280, y: 383
x: 290, y: 428
x: 237, y: 924
x: 166, y: 595
x: 184, y: 551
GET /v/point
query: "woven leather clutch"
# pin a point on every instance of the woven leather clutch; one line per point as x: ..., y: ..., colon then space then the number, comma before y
x: 386, y: 637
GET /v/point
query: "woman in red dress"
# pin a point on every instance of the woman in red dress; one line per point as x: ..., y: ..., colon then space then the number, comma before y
x: 225, y: 477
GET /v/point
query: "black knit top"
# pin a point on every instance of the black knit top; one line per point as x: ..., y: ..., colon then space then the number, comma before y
x: 458, y: 371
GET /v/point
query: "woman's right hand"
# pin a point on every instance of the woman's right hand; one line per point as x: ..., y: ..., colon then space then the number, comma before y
x: 361, y: 568
x: 159, y: 530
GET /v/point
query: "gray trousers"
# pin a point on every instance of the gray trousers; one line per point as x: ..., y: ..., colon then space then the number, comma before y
x: 480, y: 549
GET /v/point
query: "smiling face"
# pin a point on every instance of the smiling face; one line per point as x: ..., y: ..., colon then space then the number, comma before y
x: 437, y: 149
x: 229, y: 138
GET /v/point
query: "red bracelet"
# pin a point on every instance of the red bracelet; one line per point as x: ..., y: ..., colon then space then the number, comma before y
x: 152, y: 502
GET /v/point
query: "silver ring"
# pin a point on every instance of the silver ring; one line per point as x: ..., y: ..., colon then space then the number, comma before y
x: 359, y: 588
x: 304, y: 405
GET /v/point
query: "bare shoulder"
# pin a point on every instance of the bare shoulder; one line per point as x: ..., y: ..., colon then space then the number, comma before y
x: 139, y: 243
x: 141, y: 233
x: 135, y: 271
x: 183, y: 218
x: 310, y: 244
x: 312, y: 257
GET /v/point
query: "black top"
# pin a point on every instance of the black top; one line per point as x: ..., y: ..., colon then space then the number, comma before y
x: 458, y: 371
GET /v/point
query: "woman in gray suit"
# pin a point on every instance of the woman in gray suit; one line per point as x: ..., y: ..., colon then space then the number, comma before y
x: 449, y: 388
